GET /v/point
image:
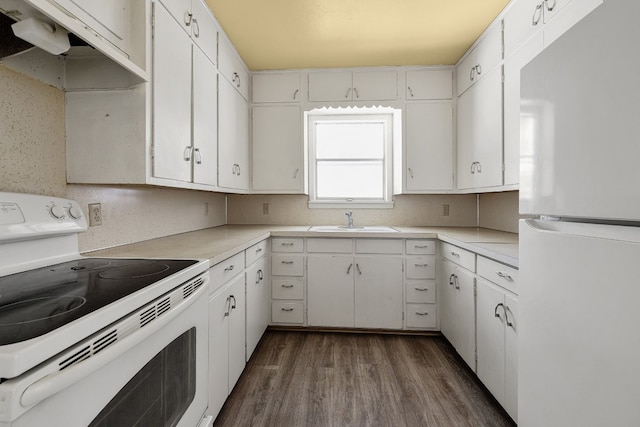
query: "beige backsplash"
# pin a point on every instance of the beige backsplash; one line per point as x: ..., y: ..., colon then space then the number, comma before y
x: 499, y: 211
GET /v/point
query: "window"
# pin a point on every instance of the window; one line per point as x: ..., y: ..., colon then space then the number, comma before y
x: 350, y: 157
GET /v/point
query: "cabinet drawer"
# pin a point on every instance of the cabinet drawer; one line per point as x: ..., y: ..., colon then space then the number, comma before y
x: 255, y: 252
x: 500, y: 274
x: 378, y: 246
x: 226, y: 270
x: 421, y: 291
x: 421, y: 316
x: 282, y: 244
x: 421, y: 247
x: 459, y: 256
x: 287, y: 265
x: 287, y: 288
x: 287, y: 312
x: 421, y: 268
x: 343, y: 246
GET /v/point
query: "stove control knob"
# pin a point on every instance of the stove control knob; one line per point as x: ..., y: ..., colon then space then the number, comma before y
x: 57, y: 212
x: 75, y: 212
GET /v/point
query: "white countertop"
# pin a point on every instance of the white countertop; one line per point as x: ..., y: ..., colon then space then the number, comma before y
x: 219, y: 243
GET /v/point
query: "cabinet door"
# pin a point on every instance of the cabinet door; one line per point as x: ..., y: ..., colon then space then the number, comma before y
x: 233, y: 151
x: 205, y: 119
x: 521, y: 20
x: 446, y: 297
x: 330, y: 86
x: 257, y: 303
x: 171, y: 99
x: 465, y: 317
x: 429, y: 84
x: 466, y: 72
x: 277, y: 149
x: 480, y: 133
x: 219, y: 310
x: 232, y: 68
x: 180, y: 10
x: 489, y: 51
x: 512, y: 135
x: 330, y: 295
x: 429, y: 142
x: 378, y: 292
x: 276, y: 87
x: 564, y: 19
x: 491, y: 339
x: 203, y: 30
x: 511, y: 357
x: 236, y: 330
x: 375, y: 85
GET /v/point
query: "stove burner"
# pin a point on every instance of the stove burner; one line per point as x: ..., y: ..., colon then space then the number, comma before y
x: 92, y: 265
x: 34, y: 310
x: 133, y: 272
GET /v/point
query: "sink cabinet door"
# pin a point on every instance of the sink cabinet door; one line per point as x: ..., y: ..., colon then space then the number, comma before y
x: 378, y: 292
x: 330, y: 290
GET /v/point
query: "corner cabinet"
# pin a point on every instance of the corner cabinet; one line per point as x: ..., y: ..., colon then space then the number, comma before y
x: 353, y: 86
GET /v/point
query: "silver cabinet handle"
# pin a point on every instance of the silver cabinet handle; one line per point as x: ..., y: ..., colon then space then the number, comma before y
x: 233, y: 306
x: 348, y: 92
x: 196, y: 28
x: 421, y: 265
x: 187, y: 18
x: 421, y: 289
x: 259, y: 276
x: 287, y: 262
x: 422, y: 313
x: 472, y: 73
x: 479, y: 169
x: 506, y: 317
x: 421, y: 246
x: 295, y: 174
x: 550, y: 8
x: 197, y: 155
x: 410, y: 91
x: 452, y: 279
x: 236, y: 79
x: 287, y: 244
x: 349, y: 268
x: 358, y: 269
x: 478, y: 69
x: 286, y: 309
x: 537, y: 14
x: 231, y: 267
x: 258, y: 250
x: 295, y: 93
x: 456, y: 282
x: 410, y: 173
x: 287, y: 286
x: 473, y: 167
x: 355, y: 91
x: 228, y: 310
x: 495, y: 311
x: 456, y: 254
x: 504, y: 275
x: 239, y: 170
x: 187, y: 153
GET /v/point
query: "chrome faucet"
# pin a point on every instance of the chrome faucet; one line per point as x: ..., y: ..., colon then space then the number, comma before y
x: 349, y: 219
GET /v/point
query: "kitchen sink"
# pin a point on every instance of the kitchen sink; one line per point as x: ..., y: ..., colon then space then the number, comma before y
x: 338, y: 228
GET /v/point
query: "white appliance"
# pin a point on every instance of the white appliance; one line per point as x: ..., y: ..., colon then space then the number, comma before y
x: 580, y: 187
x: 95, y: 341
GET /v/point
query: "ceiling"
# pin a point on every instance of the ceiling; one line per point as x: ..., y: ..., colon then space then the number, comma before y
x: 292, y: 34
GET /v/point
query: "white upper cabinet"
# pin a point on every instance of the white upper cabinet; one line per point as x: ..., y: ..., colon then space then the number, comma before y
x: 480, y: 60
x: 278, y: 163
x: 353, y: 86
x: 429, y: 84
x: 232, y: 67
x: 429, y: 147
x: 479, y: 157
x: 196, y: 19
x: 284, y: 87
x: 205, y: 119
x: 233, y: 138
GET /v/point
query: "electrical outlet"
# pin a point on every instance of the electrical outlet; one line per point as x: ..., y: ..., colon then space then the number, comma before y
x: 95, y: 214
x: 265, y: 208
x: 445, y: 210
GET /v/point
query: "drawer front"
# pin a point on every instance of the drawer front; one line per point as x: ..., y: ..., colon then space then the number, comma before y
x: 421, y: 316
x: 421, y: 247
x: 423, y: 267
x: 226, y: 270
x: 287, y: 312
x: 421, y: 291
x: 255, y: 252
x: 287, y: 288
x: 500, y: 274
x: 378, y: 246
x: 282, y: 244
x: 458, y: 255
x: 287, y: 265
x: 342, y: 246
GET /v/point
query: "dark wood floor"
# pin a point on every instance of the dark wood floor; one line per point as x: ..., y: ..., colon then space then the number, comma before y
x: 338, y: 379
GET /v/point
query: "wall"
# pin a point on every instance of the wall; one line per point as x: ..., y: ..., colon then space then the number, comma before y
x: 499, y: 211
x: 32, y: 160
x: 416, y: 210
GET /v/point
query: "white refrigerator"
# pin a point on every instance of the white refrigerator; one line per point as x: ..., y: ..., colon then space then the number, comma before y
x: 579, y: 332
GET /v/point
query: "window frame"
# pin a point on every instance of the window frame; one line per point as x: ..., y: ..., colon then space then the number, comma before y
x: 374, y: 115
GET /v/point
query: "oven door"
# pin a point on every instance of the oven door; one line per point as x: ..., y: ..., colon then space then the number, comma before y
x: 154, y: 376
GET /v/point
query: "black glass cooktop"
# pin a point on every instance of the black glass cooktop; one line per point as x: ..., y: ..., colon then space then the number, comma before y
x: 38, y: 301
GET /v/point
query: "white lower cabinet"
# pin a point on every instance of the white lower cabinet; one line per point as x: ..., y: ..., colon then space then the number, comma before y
x: 287, y: 281
x: 330, y: 281
x: 226, y: 341
x: 258, y: 308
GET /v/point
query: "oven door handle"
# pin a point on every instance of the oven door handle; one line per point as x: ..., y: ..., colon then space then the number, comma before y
x: 54, y: 383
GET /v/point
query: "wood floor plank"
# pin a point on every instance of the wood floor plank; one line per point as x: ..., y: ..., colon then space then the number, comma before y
x: 339, y: 379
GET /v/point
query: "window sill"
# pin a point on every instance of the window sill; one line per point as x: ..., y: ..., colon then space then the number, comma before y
x: 350, y: 205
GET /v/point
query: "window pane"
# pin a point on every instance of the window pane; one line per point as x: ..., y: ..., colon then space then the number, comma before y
x: 350, y: 179
x: 350, y: 140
